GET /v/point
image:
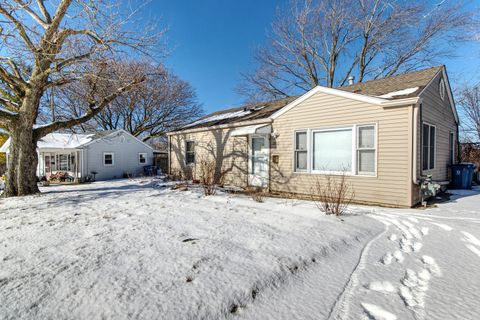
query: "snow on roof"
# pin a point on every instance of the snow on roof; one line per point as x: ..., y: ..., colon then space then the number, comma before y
x: 13, y: 113
x: 64, y: 140
x: 58, y: 141
x: 403, y: 92
x: 222, y: 116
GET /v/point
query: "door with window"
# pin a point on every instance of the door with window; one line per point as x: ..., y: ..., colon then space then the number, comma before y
x: 258, y: 163
x: 48, y: 164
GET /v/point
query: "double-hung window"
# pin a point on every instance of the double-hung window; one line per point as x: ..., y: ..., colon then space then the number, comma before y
x: 428, y: 146
x: 301, y: 151
x: 142, y: 158
x: 366, y: 150
x: 108, y: 159
x: 190, y: 152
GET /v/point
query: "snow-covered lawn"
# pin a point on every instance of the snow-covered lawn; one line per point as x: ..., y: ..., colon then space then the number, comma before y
x: 132, y: 249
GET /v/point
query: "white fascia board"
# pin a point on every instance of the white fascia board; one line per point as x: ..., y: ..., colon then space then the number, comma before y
x: 344, y: 94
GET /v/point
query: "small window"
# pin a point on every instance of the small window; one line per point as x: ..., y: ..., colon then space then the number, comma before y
x: 428, y: 146
x: 142, y: 158
x: 301, y: 153
x: 63, y: 162
x: 190, y: 152
x: 108, y: 159
x: 366, y: 151
x: 441, y: 89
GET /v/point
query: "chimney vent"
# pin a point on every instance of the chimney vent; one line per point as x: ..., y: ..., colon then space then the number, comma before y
x: 351, y: 80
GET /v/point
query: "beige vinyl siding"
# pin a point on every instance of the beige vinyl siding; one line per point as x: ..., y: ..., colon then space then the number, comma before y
x: 392, y: 183
x: 229, y: 153
x: 439, y: 113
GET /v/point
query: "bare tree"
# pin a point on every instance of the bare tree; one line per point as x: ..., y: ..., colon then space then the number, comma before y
x: 160, y: 104
x: 316, y: 42
x: 469, y: 102
x: 47, y: 45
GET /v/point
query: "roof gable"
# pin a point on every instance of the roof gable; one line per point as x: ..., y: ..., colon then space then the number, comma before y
x: 448, y: 91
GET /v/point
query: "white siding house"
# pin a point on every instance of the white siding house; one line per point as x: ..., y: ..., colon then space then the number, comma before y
x: 108, y: 154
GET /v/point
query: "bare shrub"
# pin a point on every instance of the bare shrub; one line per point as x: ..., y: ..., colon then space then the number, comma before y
x: 258, y: 194
x: 332, y: 195
x: 210, y: 177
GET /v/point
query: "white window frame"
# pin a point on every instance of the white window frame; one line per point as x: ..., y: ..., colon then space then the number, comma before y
x: 313, y: 170
x: 307, y: 132
x: 374, y: 149
x: 144, y: 154
x: 354, y: 166
x: 113, y: 159
x: 186, y: 152
x: 434, y: 147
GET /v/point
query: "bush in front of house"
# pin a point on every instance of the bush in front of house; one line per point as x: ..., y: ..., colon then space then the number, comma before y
x: 332, y: 194
x: 210, y: 176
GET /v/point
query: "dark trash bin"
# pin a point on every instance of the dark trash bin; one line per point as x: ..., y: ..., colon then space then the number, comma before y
x: 462, y: 175
x: 150, y: 170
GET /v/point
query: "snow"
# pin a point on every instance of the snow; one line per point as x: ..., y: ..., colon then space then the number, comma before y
x: 403, y: 92
x: 136, y: 249
x: 377, y: 313
x: 64, y: 140
x: 222, y: 116
x: 57, y: 141
x: 12, y: 113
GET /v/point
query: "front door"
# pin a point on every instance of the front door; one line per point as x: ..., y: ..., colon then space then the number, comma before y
x: 48, y: 165
x: 258, y: 164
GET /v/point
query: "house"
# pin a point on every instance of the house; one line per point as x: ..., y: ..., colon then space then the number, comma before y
x: 109, y: 154
x: 384, y: 135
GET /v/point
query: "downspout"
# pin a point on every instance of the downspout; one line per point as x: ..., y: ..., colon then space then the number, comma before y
x: 417, y: 115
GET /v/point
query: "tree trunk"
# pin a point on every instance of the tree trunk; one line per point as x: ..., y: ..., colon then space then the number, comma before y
x: 23, y: 159
x: 22, y: 163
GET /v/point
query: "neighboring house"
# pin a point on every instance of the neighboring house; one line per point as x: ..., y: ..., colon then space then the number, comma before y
x: 383, y: 134
x: 110, y: 154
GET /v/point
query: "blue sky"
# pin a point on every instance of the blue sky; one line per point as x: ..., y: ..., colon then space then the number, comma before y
x: 212, y: 42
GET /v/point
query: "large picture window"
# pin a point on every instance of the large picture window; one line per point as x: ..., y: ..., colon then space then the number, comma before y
x: 190, y: 152
x: 301, y: 151
x: 332, y: 150
x: 351, y: 150
x: 428, y: 146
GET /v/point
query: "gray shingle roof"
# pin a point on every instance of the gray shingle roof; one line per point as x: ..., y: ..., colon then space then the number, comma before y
x: 248, y: 112
x: 415, y: 79
x: 414, y: 82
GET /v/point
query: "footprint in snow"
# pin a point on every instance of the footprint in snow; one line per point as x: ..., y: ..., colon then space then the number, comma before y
x: 387, y: 258
x: 392, y: 237
x: 398, y: 256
